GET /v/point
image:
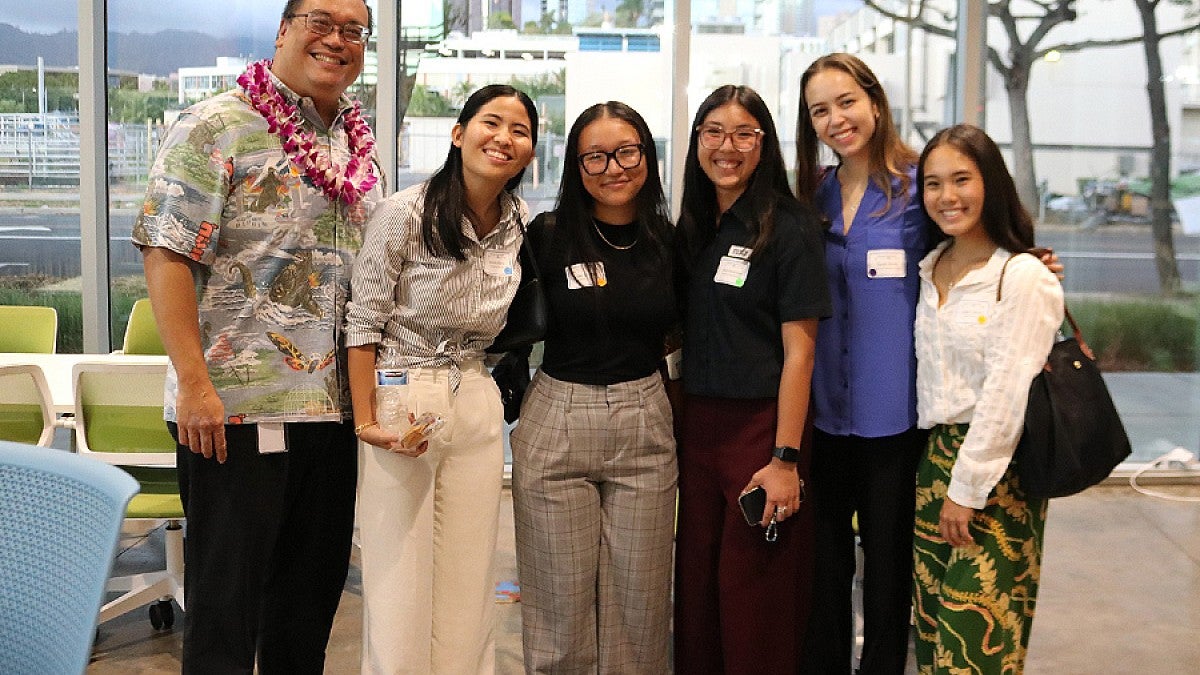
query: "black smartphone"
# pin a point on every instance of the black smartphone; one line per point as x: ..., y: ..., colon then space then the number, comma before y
x: 753, y: 503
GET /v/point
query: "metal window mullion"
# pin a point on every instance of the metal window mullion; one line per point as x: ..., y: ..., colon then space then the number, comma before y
x: 387, y: 91
x: 93, y: 176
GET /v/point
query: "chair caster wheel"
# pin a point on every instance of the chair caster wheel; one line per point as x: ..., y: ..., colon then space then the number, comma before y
x: 162, y: 615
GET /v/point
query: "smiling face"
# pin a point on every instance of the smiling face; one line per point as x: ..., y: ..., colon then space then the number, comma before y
x: 614, y: 192
x: 729, y: 169
x: 841, y: 112
x: 320, y: 66
x: 953, y: 193
x: 496, y: 143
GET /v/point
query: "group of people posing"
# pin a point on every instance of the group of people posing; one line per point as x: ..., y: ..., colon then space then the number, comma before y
x: 848, y: 335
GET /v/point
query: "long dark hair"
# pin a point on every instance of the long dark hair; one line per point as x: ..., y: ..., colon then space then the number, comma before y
x: 576, y: 205
x: 890, y: 157
x: 445, y: 203
x: 767, y: 189
x: 1004, y: 219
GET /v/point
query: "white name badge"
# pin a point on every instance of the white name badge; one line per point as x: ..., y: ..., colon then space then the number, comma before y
x: 732, y: 271
x: 271, y: 438
x: 580, y: 275
x: 886, y: 263
x: 740, y: 252
x: 972, y: 313
x: 498, y: 263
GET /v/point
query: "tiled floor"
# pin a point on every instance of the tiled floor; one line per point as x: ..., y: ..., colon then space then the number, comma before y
x: 1120, y: 594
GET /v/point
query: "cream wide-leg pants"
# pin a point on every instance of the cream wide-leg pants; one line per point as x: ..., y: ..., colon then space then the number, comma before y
x: 428, y: 531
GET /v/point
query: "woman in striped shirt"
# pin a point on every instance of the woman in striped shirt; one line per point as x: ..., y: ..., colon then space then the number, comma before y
x: 430, y: 291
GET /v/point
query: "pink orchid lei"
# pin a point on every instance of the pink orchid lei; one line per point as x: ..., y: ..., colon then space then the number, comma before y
x: 347, y: 183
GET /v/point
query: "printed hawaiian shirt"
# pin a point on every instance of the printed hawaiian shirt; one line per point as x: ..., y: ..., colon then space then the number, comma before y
x: 273, y: 257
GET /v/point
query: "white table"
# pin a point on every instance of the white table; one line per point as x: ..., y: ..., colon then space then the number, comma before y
x: 58, y: 367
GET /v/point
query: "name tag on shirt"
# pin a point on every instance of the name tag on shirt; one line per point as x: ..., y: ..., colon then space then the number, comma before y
x: 580, y: 275
x: 732, y: 271
x: 886, y: 263
x: 740, y: 252
x: 498, y: 263
x: 271, y: 438
x: 971, y: 313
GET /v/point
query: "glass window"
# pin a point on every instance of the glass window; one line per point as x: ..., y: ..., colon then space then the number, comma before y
x: 39, y: 169
x: 155, y: 71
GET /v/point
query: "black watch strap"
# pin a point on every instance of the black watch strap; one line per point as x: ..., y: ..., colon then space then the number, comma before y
x: 787, y: 454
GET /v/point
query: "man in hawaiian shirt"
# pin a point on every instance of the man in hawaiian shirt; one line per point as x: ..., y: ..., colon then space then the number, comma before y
x: 254, y: 212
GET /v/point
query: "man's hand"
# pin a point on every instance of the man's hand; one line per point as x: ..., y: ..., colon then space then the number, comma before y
x: 200, y: 416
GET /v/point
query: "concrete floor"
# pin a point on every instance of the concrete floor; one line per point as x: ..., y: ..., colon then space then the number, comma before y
x: 1120, y: 594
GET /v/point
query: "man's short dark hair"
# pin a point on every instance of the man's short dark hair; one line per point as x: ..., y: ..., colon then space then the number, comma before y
x: 293, y: 5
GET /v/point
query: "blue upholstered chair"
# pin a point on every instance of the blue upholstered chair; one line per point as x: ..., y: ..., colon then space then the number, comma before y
x: 59, y: 519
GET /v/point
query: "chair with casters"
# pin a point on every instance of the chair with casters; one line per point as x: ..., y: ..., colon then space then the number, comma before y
x: 118, y: 419
x: 141, y: 333
x: 26, y: 412
x: 28, y: 329
x: 60, y: 515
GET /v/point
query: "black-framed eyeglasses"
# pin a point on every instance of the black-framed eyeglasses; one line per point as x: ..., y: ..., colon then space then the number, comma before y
x: 596, y: 162
x: 713, y: 137
x: 323, y: 24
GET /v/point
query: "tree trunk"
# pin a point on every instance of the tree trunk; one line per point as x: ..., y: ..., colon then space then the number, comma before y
x: 1160, y: 154
x: 1016, y: 85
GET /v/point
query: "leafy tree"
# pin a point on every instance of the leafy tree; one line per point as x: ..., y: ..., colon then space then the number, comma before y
x: 629, y: 12
x: 501, y: 20
x: 426, y: 103
x: 1025, y: 51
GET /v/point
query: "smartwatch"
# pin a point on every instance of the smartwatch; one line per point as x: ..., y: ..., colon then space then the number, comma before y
x: 787, y: 454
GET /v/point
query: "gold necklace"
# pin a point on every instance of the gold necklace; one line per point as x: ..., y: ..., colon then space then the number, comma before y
x: 953, y: 272
x: 596, y: 226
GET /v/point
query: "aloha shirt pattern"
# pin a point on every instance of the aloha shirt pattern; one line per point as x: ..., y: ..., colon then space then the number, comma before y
x: 273, y: 257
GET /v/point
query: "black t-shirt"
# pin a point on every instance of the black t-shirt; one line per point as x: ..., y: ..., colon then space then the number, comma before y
x: 733, y: 343
x: 609, y: 329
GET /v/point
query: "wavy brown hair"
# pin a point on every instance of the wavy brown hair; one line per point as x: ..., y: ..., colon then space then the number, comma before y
x: 890, y: 158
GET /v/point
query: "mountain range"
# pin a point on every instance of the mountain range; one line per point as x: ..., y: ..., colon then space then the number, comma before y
x: 160, y: 53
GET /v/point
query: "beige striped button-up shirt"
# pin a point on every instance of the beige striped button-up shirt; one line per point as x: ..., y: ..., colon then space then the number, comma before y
x: 425, y: 310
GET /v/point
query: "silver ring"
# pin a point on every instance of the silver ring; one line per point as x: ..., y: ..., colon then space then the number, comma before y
x: 781, y: 509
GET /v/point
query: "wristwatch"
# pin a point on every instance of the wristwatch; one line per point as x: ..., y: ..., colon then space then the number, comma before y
x: 787, y: 454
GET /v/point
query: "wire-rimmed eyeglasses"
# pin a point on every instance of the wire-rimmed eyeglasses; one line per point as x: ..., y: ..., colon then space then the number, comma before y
x: 596, y: 162
x: 323, y: 24
x: 713, y: 137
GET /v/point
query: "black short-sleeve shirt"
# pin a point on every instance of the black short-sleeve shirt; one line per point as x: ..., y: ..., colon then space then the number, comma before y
x: 733, y: 343
x: 611, y: 331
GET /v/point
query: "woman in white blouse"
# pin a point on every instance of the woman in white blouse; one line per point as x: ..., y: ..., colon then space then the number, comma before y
x: 430, y: 291
x: 986, y: 320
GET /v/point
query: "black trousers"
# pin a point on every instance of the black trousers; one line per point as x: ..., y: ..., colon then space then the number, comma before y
x: 875, y: 478
x: 267, y: 549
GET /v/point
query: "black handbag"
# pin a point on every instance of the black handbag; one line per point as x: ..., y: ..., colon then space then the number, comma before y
x: 528, y: 313
x: 511, y: 374
x: 1073, y: 436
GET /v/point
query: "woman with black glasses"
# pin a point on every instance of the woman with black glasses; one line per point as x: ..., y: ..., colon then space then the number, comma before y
x: 593, y: 455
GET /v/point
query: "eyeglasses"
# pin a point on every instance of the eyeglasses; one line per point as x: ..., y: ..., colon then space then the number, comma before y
x: 626, y: 157
x: 744, y: 138
x: 322, y: 24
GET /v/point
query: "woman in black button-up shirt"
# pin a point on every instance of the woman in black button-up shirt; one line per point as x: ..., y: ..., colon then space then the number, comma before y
x: 753, y: 278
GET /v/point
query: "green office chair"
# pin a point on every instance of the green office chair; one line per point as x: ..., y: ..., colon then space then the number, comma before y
x: 118, y: 419
x: 26, y: 413
x: 141, y: 333
x: 28, y: 329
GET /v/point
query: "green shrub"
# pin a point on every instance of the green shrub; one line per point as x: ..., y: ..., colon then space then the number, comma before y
x: 69, y: 306
x: 1139, y: 335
